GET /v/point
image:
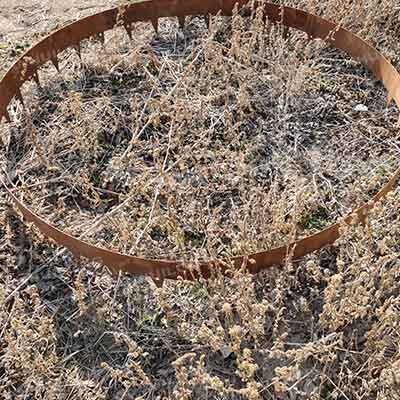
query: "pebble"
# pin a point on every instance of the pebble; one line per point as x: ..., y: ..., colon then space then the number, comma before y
x: 361, y: 108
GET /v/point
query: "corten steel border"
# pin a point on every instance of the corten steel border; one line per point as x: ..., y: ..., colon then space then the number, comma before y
x: 27, y: 67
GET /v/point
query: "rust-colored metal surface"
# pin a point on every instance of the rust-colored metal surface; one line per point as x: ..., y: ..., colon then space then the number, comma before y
x: 46, y: 50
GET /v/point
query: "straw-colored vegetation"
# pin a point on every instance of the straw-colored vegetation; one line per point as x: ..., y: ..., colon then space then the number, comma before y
x: 197, y: 144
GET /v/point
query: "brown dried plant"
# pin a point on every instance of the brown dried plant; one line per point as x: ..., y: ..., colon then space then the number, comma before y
x: 205, y: 143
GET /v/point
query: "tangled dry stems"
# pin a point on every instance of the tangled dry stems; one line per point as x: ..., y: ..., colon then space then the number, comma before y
x: 199, y: 144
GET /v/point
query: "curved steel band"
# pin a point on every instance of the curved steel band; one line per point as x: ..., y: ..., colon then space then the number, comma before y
x: 70, y: 36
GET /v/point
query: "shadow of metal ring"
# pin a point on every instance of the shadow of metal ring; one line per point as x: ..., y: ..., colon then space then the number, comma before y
x: 46, y: 50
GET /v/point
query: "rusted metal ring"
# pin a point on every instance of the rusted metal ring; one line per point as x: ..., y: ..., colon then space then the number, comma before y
x: 94, y: 26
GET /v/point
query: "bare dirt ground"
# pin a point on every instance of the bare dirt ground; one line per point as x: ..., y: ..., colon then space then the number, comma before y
x: 21, y: 17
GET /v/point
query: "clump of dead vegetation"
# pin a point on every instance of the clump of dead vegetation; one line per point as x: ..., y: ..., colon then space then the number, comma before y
x: 196, y: 144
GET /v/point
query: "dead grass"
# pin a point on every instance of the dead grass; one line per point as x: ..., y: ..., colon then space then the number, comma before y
x: 199, y: 144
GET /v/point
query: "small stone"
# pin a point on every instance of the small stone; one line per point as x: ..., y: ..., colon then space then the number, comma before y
x: 361, y: 108
x: 226, y: 351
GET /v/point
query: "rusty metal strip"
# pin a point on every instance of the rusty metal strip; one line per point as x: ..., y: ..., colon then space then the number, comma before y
x: 150, y: 11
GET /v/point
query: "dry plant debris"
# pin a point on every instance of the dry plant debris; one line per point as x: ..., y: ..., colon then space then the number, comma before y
x: 95, y: 26
x: 188, y: 144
